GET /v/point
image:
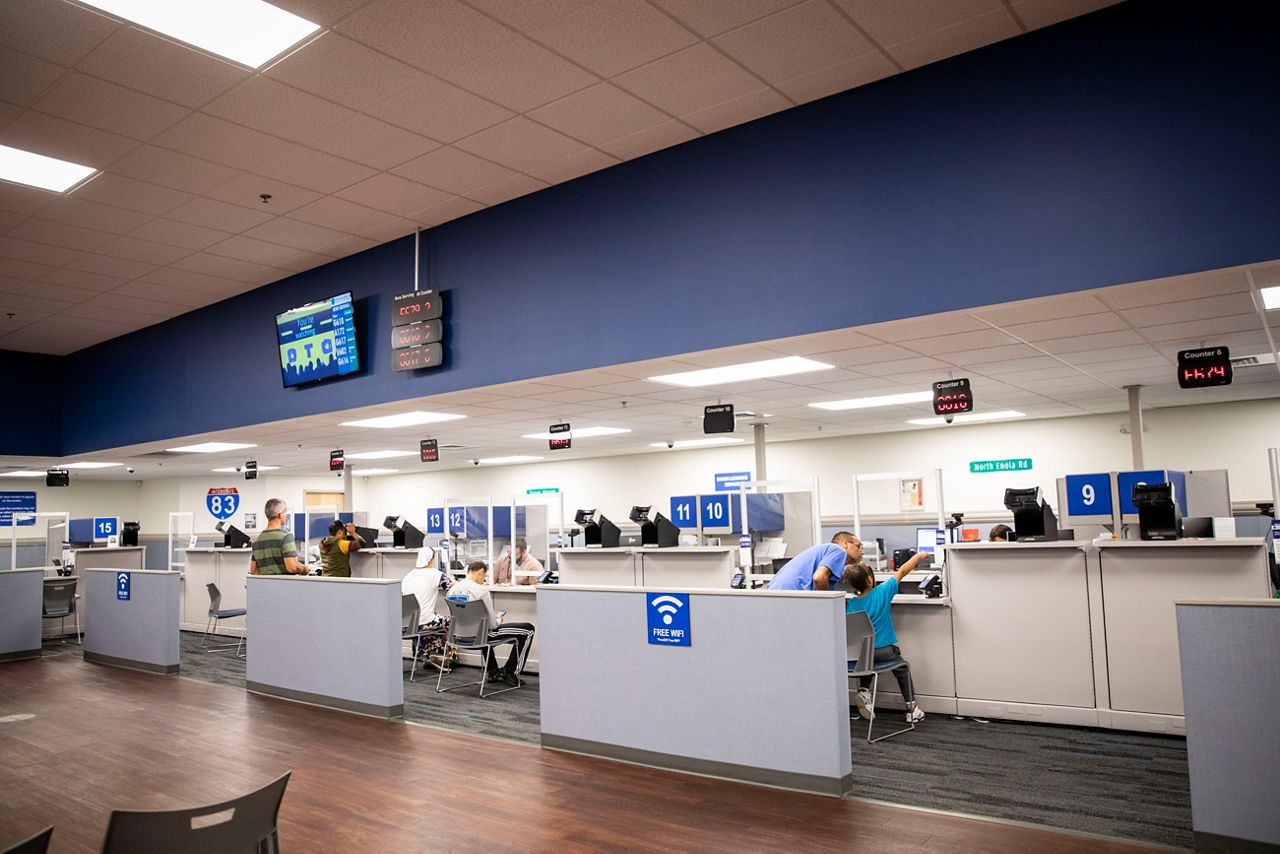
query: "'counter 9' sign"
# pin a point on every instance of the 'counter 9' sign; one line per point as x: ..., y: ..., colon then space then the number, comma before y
x: 952, y: 396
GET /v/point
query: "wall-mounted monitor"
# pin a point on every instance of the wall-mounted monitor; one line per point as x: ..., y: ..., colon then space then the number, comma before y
x: 317, y: 341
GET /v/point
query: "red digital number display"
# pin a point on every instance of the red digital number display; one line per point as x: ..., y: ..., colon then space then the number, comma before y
x: 559, y: 444
x: 413, y: 334
x: 418, y: 305
x: 416, y: 358
x: 952, y: 403
x: 1203, y: 368
x: 952, y: 396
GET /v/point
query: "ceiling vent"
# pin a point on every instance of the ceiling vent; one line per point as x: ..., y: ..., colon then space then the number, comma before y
x: 1250, y: 361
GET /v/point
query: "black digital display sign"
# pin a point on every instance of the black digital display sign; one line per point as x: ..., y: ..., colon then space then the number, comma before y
x: 1209, y: 366
x: 951, y: 397
x: 429, y: 450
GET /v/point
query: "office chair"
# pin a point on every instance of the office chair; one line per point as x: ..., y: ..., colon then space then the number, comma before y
x: 217, y: 613
x: 411, y: 630
x: 469, y: 629
x: 37, y: 844
x: 60, y: 602
x: 246, y: 823
x: 860, y: 646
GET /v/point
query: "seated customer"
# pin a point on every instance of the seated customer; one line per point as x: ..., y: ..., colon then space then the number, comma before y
x: 424, y: 582
x: 875, y: 599
x: 473, y: 588
x: 525, y: 563
x: 1000, y: 534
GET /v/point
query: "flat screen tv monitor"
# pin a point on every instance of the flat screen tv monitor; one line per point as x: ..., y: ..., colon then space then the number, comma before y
x: 317, y: 341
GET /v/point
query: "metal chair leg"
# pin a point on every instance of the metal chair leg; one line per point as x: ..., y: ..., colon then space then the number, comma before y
x: 240, y: 645
x: 208, y: 627
x: 875, y: 682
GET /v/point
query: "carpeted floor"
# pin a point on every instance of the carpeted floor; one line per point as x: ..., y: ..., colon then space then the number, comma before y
x: 1128, y: 785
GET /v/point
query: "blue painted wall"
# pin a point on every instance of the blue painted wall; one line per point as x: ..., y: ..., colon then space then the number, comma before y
x: 32, y: 424
x: 1133, y: 143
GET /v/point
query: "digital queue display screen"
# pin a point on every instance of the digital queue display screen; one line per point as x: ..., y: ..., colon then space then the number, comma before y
x: 952, y: 396
x: 1202, y: 368
x: 318, y: 341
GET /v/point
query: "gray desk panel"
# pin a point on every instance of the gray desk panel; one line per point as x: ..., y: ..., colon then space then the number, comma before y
x: 141, y: 632
x: 21, y: 595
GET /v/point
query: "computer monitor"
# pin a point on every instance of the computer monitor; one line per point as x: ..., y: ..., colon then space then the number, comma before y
x: 391, y: 523
x: 1033, y: 519
x: 927, y: 540
x: 648, y: 530
x: 405, y: 536
x: 590, y: 528
x: 668, y: 533
x: 609, y: 533
x: 234, y: 538
x: 369, y: 535
x: 1159, y: 517
x: 129, y: 533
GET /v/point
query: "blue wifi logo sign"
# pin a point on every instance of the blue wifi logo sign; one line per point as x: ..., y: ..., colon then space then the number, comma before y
x: 669, y: 619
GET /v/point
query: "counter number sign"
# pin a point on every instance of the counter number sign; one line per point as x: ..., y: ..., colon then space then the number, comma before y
x: 430, y: 450
x: 1202, y: 368
x: 684, y: 511
x: 951, y: 397
x: 337, y: 460
x: 250, y: 469
x: 561, y: 438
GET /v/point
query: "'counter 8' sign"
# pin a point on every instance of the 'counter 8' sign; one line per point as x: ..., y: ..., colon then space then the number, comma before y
x: 223, y: 502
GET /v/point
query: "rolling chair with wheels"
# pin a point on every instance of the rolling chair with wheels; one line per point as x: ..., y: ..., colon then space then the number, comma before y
x: 860, y: 645
x: 469, y: 630
x: 217, y: 613
x: 60, y: 601
x: 246, y: 823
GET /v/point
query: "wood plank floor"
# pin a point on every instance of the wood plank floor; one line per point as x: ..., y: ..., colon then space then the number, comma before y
x: 104, y: 738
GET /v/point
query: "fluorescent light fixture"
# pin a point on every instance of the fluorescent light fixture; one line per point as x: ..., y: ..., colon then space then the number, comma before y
x: 370, y: 472
x: 970, y: 417
x: 1270, y: 297
x: 746, y: 371
x: 23, y: 474
x: 209, y: 448
x: 380, y: 455
x: 497, y: 461
x: 882, y: 400
x: 698, y: 443
x: 404, y: 419
x: 583, y: 433
x: 247, y: 31
x: 37, y: 170
x: 233, y: 469
x: 89, y: 465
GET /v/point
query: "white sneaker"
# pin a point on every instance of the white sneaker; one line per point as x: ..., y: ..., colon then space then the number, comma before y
x: 863, y: 699
x: 915, y: 714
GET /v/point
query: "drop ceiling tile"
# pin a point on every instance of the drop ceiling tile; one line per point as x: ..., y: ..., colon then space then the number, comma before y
x: 1067, y: 327
x: 57, y: 137
x: 314, y: 170
x: 439, y: 111
x: 112, y: 305
x: 960, y: 341
x: 987, y: 355
x: 131, y: 194
x: 1174, y: 289
x: 390, y: 230
x: 575, y: 165
x: 839, y: 77
x: 612, y: 36
x: 520, y: 144
x: 1042, y: 13
x: 1192, y: 333
x: 224, y: 142
x: 171, y: 169
x: 343, y: 71
x: 395, y: 27
x: 183, y: 297
x: 280, y: 110
x: 712, y: 18
x: 520, y: 75
x: 25, y: 76
x: 373, y: 142
x: 25, y: 270
x: 1043, y: 308
x: 893, y: 23
x: 143, y: 251
x: 295, y: 234
x: 958, y: 38
x: 453, y: 170
x: 219, y: 215
x: 693, y: 79
x: 97, y: 103
x: 106, y: 265
x: 36, y: 253
x: 300, y: 262
x: 744, y: 108
x: 652, y: 139
x: 351, y: 244
x: 197, y: 283
x: 58, y: 32
x: 1189, y: 310
x: 249, y: 249
x: 29, y: 308
x: 105, y: 311
x: 24, y: 200
x: 391, y: 193
x: 60, y: 234
x: 1081, y: 343
x: 161, y: 68
x: 246, y: 189
x: 220, y: 266
x: 66, y: 277
x: 8, y: 220
x: 341, y: 215
x: 75, y: 210
x: 524, y: 15
x: 794, y: 41
x: 182, y: 234
x: 599, y: 114
x: 503, y: 191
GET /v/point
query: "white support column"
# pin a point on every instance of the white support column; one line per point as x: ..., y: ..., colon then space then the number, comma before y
x: 757, y: 429
x: 1135, y: 425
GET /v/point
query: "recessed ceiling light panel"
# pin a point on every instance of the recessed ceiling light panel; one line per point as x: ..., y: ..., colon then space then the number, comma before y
x: 970, y: 417
x: 37, y: 170
x: 209, y: 448
x: 882, y: 400
x: 380, y: 455
x: 372, y: 472
x: 1270, y: 297
x: 581, y: 433
x: 497, y: 461
x: 745, y: 371
x: 247, y: 31
x: 88, y: 465
x: 403, y: 419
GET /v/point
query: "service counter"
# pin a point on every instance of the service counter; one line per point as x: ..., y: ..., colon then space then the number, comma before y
x: 123, y: 557
x: 383, y: 563
x: 780, y: 654
x: 686, y: 566
x: 924, y: 631
x: 228, y: 569
x: 135, y: 618
x: 331, y: 642
x: 21, y: 597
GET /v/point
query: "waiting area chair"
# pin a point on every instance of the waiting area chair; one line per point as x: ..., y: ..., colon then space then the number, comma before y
x: 216, y: 613
x: 469, y: 630
x: 60, y: 601
x: 245, y: 824
x: 37, y: 844
x: 860, y: 644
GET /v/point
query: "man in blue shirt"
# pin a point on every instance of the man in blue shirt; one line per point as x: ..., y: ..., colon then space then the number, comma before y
x: 818, y: 567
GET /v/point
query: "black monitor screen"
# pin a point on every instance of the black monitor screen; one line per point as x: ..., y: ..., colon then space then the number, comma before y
x: 413, y: 538
x: 317, y: 341
x: 234, y: 538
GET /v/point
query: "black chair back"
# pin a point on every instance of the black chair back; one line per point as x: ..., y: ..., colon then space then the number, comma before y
x: 37, y: 844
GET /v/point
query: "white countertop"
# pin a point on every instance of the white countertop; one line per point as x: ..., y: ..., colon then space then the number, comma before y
x: 699, y: 591
x: 1235, y: 603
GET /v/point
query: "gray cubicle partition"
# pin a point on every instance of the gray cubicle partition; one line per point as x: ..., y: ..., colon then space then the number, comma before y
x: 1233, y: 742
x: 777, y: 656
x: 135, y: 618
x: 21, y: 594
x: 327, y: 641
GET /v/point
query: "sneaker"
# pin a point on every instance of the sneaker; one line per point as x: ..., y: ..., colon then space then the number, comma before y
x: 914, y: 713
x: 863, y: 699
x: 510, y: 678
